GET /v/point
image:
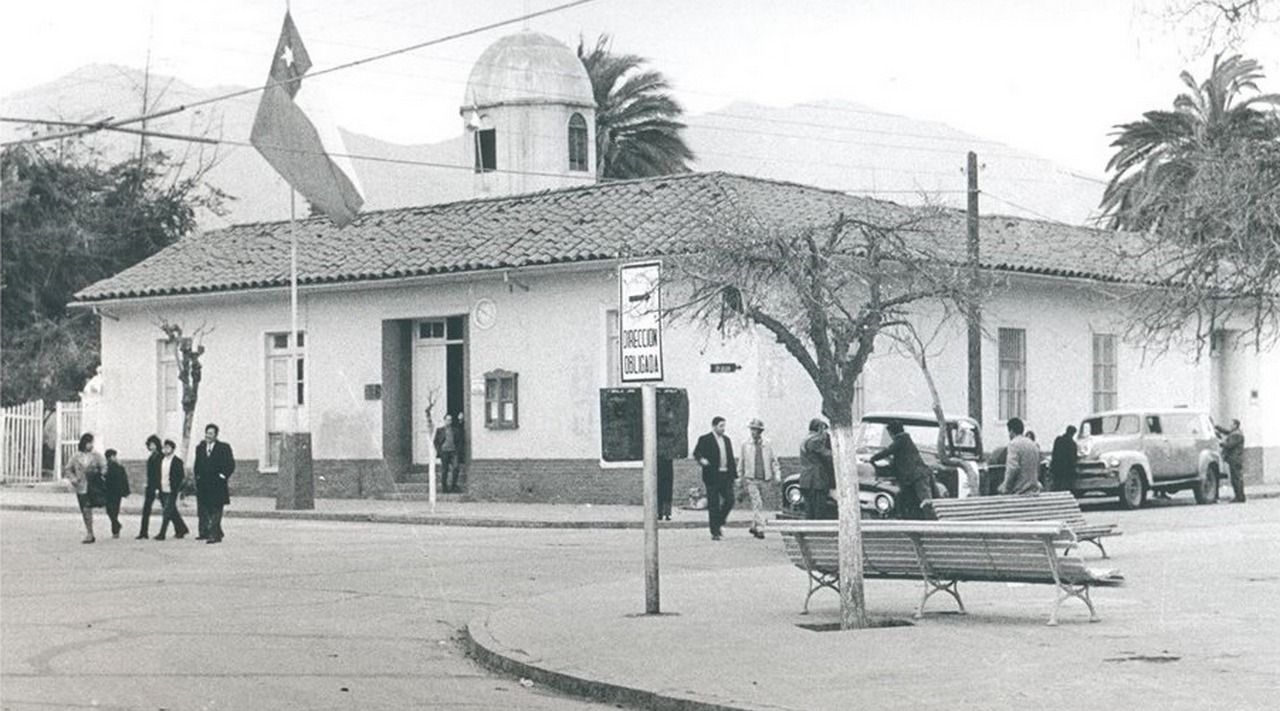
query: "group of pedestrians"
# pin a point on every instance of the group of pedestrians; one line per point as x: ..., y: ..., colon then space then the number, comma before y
x: 754, y: 465
x: 101, y: 482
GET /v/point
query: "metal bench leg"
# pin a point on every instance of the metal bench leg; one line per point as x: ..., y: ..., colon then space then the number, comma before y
x: 932, y: 586
x: 1077, y: 591
x: 817, y: 581
x: 1098, y: 542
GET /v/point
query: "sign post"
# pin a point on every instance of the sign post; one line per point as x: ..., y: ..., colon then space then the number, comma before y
x: 640, y: 344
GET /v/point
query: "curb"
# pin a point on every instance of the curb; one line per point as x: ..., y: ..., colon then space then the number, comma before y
x: 481, y: 647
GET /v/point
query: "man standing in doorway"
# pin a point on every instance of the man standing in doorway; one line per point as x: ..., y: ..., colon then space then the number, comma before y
x: 213, y: 469
x: 1233, y: 453
x: 714, y: 452
x: 447, y: 442
x: 757, y: 465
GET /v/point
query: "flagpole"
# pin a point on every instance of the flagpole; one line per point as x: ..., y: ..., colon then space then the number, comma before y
x: 293, y: 311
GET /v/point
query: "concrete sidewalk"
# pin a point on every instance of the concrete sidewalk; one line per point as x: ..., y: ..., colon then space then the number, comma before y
x: 1188, y: 628
x: 448, y: 511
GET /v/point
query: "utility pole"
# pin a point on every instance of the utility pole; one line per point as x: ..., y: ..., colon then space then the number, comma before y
x: 975, y: 318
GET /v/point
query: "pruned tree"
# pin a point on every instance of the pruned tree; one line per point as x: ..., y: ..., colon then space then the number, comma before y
x: 827, y: 291
x: 187, y: 350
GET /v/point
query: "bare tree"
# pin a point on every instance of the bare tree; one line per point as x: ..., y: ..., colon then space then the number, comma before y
x: 1217, y: 23
x: 1198, y: 188
x: 1214, y: 263
x: 826, y: 291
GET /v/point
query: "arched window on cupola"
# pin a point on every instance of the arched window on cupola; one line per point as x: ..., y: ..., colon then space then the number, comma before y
x: 578, y: 153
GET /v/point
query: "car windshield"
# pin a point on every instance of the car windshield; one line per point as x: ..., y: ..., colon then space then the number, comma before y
x: 1109, y: 425
x: 875, y: 436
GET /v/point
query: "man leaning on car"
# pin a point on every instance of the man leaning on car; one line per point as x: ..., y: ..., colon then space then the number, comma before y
x: 915, y: 479
x: 1022, y: 463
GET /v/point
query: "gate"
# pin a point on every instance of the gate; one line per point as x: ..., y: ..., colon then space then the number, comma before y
x: 68, y: 428
x: 22, y: 443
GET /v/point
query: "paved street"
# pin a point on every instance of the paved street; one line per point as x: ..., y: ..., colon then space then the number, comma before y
x: 288, y: 614
x: 307, y: 614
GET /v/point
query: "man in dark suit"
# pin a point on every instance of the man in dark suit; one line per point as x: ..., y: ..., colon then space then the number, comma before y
x: 714, y: 451
x: 1062, y: 464
x: 213, y: 469
x: 171, y: 476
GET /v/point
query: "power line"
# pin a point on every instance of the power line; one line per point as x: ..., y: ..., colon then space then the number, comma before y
x: 109, y: 123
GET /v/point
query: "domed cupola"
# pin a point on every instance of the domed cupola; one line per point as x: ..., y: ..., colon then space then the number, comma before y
x: 530, y: 112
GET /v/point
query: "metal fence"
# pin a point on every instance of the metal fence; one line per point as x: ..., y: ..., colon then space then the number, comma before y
x: 22, y: 443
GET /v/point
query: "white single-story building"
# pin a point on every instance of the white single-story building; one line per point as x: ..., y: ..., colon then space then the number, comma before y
x: 505, y: 310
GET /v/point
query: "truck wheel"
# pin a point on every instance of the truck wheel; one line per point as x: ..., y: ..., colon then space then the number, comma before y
x: 1207, y: 490
x: 1133, y: 492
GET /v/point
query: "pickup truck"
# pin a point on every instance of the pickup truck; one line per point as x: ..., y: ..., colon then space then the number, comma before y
x: 1128, y: 453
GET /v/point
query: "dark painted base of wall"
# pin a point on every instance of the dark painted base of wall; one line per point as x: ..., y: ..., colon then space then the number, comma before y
x: 561, y: 481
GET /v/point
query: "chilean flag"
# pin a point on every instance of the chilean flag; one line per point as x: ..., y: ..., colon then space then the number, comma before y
x: 309, y: 157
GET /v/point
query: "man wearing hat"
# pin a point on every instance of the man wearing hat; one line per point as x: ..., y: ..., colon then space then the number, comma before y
x: 757, y: 465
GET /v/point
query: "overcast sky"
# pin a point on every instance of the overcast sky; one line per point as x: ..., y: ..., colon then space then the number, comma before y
x: 1048, y: 76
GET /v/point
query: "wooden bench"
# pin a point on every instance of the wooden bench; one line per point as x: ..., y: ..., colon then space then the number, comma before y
x: 941, y: 554
x: 1045, y: 506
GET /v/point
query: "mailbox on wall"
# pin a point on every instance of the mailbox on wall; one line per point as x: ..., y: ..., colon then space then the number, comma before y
x: 622, y: 430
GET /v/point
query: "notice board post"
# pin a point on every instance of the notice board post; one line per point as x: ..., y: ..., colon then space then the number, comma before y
x: 640, y: 344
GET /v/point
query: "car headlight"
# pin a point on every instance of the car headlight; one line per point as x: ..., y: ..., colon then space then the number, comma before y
x: 884, y: 503
x: 1113, y: 462
x: 794, y: 496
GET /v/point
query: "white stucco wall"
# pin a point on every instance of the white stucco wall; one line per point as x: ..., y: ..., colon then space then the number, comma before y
x: 553, y: 335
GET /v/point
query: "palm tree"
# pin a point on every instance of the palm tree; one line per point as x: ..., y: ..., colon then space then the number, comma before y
x: 1157, y: 159
x: 638, y: 133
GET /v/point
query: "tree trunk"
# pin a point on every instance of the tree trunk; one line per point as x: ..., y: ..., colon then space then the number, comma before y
x: 188, y: 417
x: 966, y: 478
x: 853, y: 603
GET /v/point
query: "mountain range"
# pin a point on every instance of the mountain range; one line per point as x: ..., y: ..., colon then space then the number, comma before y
x: 836, y: 145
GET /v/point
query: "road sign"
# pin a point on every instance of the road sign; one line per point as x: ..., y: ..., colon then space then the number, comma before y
x: 640, y: 317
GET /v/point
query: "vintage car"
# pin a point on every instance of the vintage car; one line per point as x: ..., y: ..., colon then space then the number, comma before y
x: 1128, y: 453
x: 959, y: 472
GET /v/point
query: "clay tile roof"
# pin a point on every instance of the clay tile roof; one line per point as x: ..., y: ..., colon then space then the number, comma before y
x: 622, y: 219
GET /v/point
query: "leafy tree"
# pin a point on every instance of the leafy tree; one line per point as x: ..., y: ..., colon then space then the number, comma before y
x: 1159, y: 156
x: 69, y: 220
x: 1199, y: 186
x: 638, y: 131
x: 827, y: 292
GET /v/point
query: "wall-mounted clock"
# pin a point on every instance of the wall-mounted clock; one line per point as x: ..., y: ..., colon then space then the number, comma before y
x: 484, y: 314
